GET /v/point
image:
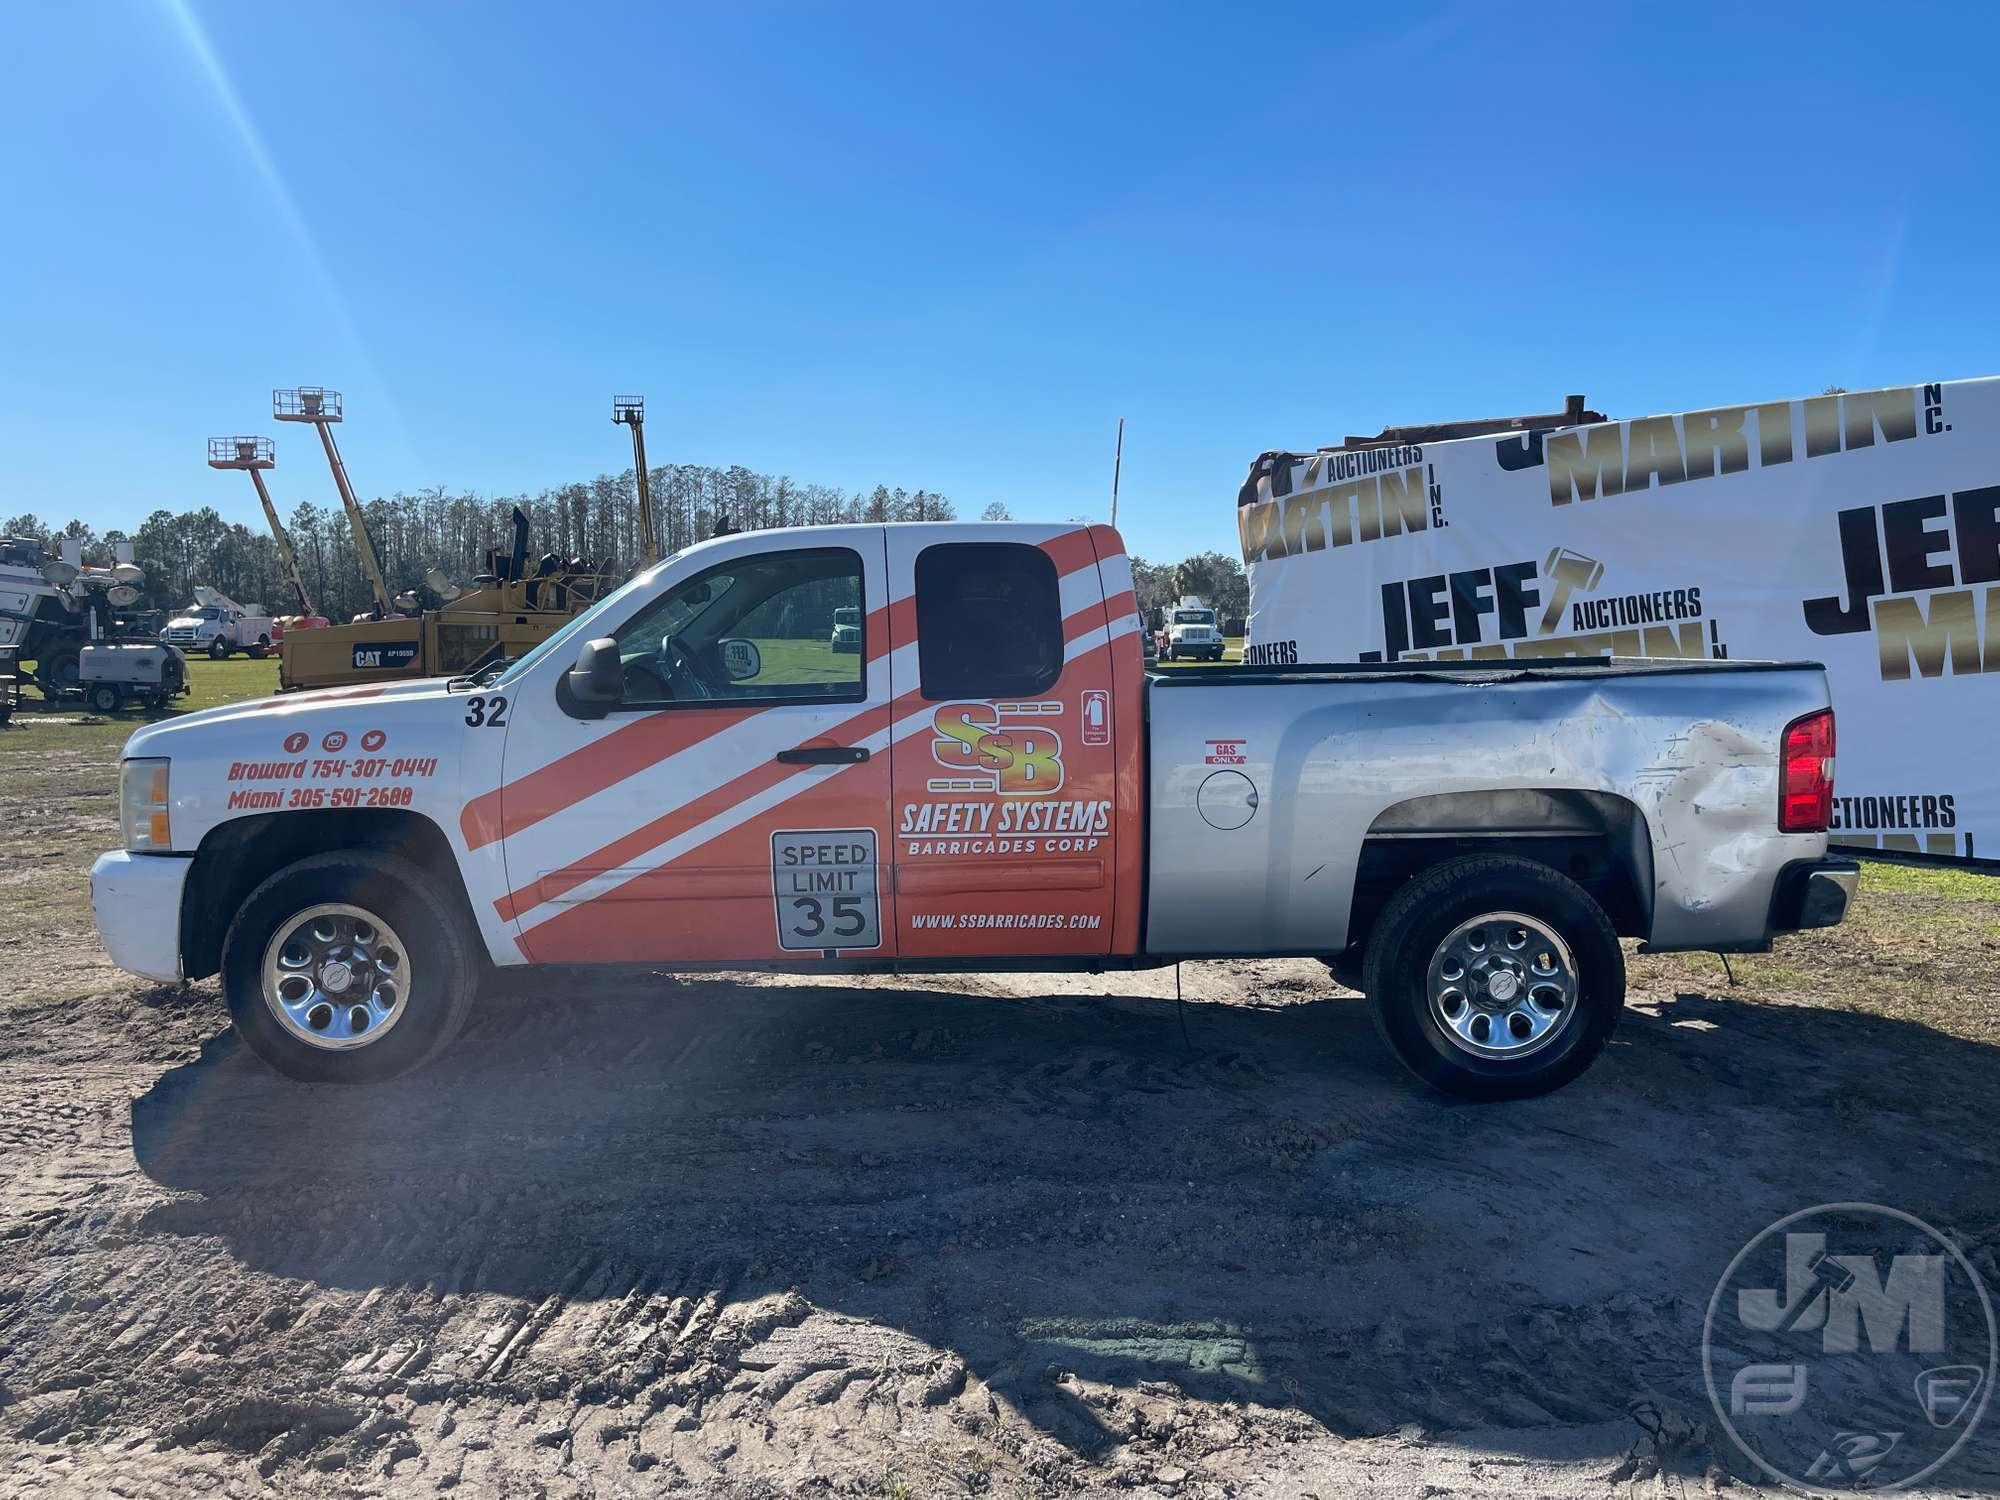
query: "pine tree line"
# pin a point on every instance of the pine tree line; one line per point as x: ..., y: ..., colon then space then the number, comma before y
x: 439, y: 528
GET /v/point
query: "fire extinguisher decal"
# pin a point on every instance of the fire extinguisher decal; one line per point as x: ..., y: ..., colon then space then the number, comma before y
x: 1097, y: 717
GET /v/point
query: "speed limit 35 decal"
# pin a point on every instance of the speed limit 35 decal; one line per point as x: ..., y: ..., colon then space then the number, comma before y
x: 827, y: 889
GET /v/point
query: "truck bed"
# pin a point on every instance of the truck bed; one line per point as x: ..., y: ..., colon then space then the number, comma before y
x: 1472, y: 672
x: 1283, y: 799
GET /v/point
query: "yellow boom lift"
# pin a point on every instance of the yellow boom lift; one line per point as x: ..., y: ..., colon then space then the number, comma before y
x: 631, y: 412
x: 257, y: 454
x: 321, y: 407
x: 509, y: 608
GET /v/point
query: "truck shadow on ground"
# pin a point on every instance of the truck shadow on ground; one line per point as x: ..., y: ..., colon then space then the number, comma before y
x: 1269, y: 1213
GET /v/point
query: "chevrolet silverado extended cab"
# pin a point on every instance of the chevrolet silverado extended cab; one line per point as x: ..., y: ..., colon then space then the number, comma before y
x: 688, y: 775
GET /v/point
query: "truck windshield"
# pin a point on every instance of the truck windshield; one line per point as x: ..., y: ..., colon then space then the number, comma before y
x: 580, y: 627
x: 1194, y: 617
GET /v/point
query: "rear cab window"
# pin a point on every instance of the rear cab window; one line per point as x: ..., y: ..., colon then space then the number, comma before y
x: 989, y: 621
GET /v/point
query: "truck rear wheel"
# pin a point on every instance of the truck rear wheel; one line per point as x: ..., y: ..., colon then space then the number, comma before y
x: 1493, y: 977
x: 349, y: 968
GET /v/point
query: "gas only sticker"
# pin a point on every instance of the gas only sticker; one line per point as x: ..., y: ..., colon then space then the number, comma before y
x: 825, y: 885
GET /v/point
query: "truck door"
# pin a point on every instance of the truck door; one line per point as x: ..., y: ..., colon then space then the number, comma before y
x: 734, y: 806
x: 1005, y: 776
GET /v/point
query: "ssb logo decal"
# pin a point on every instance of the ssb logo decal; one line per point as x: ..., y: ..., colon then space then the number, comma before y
x: 997, y: 747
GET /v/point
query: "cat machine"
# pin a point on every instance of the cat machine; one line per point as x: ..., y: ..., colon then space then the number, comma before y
x: 439, y: 629
x: 442, y: 630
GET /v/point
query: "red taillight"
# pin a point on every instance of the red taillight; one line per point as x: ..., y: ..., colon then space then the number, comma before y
x: 1805, y: 795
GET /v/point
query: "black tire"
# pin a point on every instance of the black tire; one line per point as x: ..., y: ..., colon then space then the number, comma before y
x: 60, y: 675
x: 443, y: 962
x: 1418, y: 919
x: 105, y: 699
x: 218, y: 649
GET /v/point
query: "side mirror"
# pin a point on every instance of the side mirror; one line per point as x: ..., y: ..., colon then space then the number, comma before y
x: 740, y: 658
x: 598, y: 678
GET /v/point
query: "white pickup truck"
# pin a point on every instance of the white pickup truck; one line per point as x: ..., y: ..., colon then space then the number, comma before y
x: 689, y: 776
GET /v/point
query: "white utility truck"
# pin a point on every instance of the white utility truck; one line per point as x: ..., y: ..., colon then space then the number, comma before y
x: 846, y: 635
x: 218, y: 625
x: 1191, y: 633
x: 688, y: 776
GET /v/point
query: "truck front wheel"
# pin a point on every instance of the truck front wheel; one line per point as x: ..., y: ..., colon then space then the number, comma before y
x: 349, y: 968
x: 218, y: 649
x: 1493, y: 977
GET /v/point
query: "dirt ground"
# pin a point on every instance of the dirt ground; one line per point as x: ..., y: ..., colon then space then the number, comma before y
x: 938, y: 1237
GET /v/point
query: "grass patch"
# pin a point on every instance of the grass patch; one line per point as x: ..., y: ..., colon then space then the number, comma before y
x: 1919, y: 944
x: 59, y: 765
x: 786, y: 661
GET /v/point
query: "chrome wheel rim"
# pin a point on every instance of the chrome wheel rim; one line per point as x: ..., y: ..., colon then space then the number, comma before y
x: 1502, y: 985
x: 336, y: 977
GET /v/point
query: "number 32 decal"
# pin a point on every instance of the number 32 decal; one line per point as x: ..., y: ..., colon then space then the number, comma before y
x: 486, y: 713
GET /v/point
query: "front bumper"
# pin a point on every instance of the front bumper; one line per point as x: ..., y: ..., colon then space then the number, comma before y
x: 136, y: 899
x: 1813, y: 893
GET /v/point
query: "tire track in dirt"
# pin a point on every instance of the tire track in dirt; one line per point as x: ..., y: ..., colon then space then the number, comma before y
x: 991, y: 1233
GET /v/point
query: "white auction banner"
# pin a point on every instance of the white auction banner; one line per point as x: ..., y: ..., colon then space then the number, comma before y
x: 1860, y: 529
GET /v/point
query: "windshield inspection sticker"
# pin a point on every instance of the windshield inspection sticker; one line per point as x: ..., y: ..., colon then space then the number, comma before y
x: 825, y: 886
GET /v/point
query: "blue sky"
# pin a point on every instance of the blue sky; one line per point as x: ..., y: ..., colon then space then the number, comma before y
x: 947, y: 246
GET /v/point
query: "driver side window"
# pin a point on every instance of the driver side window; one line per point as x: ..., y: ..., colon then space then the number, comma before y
x: 779, y: 627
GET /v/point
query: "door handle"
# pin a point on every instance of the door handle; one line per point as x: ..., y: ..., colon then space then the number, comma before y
x: 824, y: 755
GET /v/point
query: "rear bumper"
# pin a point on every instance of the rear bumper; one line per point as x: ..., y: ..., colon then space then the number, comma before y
x: 136, y: 899
x: 1813, y: 893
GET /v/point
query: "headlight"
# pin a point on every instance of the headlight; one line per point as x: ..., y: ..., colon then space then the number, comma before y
x: 142, y: 805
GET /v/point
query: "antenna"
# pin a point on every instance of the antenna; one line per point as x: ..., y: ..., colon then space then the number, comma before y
x: 631, y: 411
x: 321, y: 407
x: 1117, y: 464
x: 257, y: 454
